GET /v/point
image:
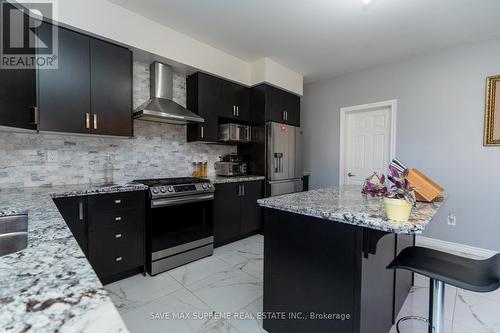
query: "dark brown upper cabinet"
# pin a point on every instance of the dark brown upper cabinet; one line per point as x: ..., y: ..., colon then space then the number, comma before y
x: 18, y: 95
x: 90, y: 92
x: 269, y: 103
x: 204, y: 97
x: 217, y: 101
x: 235, y: 102
x: 64, y: 93
x: 110, y: 89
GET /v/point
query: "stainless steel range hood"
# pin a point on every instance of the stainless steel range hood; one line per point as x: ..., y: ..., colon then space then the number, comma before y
x: 160, y: 107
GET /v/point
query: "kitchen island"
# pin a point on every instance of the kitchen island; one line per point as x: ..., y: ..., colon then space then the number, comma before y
x: 325, y: 258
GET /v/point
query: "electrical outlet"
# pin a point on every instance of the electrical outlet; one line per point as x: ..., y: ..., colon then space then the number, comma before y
x: 51, y: 156
x: 452, y: 219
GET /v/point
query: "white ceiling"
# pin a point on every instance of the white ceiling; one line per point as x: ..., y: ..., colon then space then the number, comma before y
x: 326, y: 38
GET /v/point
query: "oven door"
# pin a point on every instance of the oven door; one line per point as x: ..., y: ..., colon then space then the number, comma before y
x: 180, y: 221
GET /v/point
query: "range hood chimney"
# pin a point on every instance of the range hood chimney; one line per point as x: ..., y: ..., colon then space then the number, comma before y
x: 160, y: 107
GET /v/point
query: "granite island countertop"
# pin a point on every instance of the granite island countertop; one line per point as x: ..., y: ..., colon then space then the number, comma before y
x: 348, y: 205
x: 50, y: 286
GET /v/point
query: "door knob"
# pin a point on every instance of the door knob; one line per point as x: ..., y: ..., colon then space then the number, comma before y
x: 351, y: 174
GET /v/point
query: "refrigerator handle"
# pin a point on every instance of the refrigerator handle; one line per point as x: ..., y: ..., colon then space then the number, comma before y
x: 279, y: 162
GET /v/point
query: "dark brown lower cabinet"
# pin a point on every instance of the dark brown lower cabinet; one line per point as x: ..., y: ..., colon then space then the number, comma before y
x: 110, y: 230
x: 74, y: 212
x: 317, y: 267
x: 236, y: 213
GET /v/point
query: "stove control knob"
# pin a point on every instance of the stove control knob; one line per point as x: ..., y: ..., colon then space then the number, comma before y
x: 209, y: 185
x: 170, y: 189
x: 162, y: 189
x: 155, y: 190
x: 204, y: 186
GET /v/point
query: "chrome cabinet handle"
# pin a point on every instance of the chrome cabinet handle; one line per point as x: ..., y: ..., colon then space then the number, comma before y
x: 87, y: 120
x: 117, y: 259
x: 284, y: 115
x: 242, y: 190
x: 80, y: 211
x: 234, y: 110
x: 118, y: 218
x: 35, y: 115
x: 202, y: 134
x: 237, y: 111
x: 118, y: 201
x: 118, y: 235
x: 95, y: 121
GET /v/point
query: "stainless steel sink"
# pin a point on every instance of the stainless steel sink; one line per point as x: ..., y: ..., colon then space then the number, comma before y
x: 13, y: 233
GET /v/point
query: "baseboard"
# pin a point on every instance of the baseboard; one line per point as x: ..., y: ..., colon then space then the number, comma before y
x: 465, y: 250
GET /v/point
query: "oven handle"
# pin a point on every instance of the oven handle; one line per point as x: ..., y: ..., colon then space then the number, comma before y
x: 181, y: 200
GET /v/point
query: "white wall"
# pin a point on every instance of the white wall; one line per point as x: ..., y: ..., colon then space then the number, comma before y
x: 269, y: 71
x: 441, y: 100
x: 111, y: 21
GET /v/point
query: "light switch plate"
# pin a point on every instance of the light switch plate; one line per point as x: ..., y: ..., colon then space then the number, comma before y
x: 51, y: 156
x: 452, y: 219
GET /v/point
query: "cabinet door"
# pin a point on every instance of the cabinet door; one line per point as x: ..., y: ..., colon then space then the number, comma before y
x: 292, y: 109
x: 403, y: 279
x: 17, y: 95
x: 226, y: 212
x: 74, y: 213
x: 111, y: 89
x: 377, y: 282
x: 203, y: 97
x: 235, y: 102
x: 64, y: 93
x: 275, y: 104
x: 251, y: 213
x: 18, y: 98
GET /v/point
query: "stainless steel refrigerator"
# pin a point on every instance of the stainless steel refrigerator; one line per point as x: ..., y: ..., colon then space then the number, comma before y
x: 284, y: 170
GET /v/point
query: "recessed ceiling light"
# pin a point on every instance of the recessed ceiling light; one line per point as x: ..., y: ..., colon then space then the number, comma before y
x: 366, y: 2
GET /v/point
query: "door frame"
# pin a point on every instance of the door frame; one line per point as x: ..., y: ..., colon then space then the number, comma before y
x: 392, y: 104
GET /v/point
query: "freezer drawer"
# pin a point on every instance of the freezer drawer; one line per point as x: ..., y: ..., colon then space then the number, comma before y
x: 284, y: 187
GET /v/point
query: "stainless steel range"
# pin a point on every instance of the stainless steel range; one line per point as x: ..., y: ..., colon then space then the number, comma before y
x: 179, y: 227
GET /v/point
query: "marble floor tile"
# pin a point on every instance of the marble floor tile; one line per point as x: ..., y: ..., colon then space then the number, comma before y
x: 181, y: 301
x: 228, y: 291
x: 476, y: 312
x: 411, y: 307
x: 137, y: 290
x: 250, y: 325
x: 199, y: 270
x: 417, y: 302
x: 221, y: 326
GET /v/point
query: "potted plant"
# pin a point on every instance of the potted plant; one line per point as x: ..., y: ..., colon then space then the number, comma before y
x: 398, y: 196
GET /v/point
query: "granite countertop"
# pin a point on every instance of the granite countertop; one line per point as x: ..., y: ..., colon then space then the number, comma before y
x: 348, y: 205
x: 50, y: 286
x: 234, y: 179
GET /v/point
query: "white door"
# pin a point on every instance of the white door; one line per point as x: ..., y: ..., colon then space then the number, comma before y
x: 367, y: 143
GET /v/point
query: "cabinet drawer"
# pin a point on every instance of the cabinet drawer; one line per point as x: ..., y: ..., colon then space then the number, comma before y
x: 115, y: 201
x: 130, y: 219
x: 113, y: 251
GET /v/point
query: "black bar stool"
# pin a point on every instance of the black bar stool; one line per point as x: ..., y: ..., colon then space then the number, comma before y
x: 444, y: 268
